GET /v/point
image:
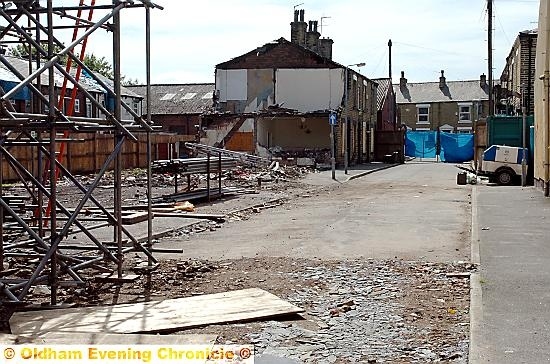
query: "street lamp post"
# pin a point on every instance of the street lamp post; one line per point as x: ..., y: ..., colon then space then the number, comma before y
x: 346, y: 119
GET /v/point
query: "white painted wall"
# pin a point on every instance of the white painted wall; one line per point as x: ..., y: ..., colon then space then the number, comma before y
x: 248, y: 126
x: 232, y: 84
x: 309, y: 89
x: 215, y: 135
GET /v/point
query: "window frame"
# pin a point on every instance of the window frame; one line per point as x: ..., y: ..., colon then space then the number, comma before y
x: 469, y: 105
x: 89, y: 112
x: 464, y: 130
x: 427, y: 114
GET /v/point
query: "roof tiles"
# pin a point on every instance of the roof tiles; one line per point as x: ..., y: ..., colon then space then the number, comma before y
x: 166, y: 99
x: 428, y: 92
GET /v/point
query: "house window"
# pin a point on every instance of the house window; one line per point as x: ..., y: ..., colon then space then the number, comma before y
x: 88, y: 108
x: 464, y: 130
x: 355, y: 89
x: 365, y: 96
x: 136, y: 107
x: 423, y: 112
x: 77, y: 105
x: 464, y: 113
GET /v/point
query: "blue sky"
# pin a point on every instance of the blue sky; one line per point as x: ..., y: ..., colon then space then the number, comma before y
x: 190, y: 38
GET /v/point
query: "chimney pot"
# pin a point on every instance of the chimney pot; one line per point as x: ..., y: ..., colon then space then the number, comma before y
x: 296, y: 14
x: 315, y: 26
x: 442, y: 82
x: 302, y: 15
x: 402, y: 80
x: 482, y: 80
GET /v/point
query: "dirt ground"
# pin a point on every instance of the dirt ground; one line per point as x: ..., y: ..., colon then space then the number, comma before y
x: 384, y: 310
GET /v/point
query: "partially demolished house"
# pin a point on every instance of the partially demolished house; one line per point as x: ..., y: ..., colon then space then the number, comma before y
x: 277, y: 99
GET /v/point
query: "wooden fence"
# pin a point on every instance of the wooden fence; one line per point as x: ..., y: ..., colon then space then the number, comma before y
x: 88, y: 152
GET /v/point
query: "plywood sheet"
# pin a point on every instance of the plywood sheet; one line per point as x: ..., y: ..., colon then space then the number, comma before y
x: 173, y: 314
x: 57, y: 338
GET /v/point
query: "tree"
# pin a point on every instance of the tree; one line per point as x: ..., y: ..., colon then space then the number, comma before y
x: 99, y: 65
x: 22, y: 51
x: 127, y: 81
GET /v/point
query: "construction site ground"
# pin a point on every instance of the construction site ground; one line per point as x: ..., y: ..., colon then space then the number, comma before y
x: 379, y: 263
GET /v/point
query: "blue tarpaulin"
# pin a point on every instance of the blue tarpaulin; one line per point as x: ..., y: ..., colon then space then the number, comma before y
x: 22, y: 94
x: 454, y: 148
x: 420, y: 144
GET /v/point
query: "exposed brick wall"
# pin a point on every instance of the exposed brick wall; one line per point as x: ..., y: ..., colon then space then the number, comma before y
x: 182, y: 124
x: 282, y: 55
x: 520, y: 70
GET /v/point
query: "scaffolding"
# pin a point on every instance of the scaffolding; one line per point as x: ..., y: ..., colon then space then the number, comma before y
x: 37, y: 232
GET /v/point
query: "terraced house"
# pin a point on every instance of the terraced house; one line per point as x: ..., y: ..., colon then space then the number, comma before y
x: 449, y: 106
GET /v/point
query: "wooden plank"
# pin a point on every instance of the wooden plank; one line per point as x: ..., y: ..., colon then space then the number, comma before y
x: 56, y: 338
x: 157, y: 316
x: 212, y: 217
x: 113, y: 278
x: 134, y: 217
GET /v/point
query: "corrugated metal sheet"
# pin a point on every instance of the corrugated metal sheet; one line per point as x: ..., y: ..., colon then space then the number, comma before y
x: 176, y: 98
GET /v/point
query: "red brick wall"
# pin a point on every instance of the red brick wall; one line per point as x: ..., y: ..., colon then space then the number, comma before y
x: 182, y: 124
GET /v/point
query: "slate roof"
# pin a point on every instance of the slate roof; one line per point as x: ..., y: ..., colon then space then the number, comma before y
x: 190, y: 98
x: 282, y: 42
x: 124, y: 90
x: 381, y: 91
x: 428, y: 92
x: 89, y: 84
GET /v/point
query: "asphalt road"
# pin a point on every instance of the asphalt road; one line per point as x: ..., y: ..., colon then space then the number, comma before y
x: 412, y: 211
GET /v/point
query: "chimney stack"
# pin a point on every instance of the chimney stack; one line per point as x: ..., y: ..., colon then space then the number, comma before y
x: 325, y: 47
x: 442, y: 82
x: 482, y: 80
x: 402, y: 80
x: 298, y: 28
x: 312, y: 37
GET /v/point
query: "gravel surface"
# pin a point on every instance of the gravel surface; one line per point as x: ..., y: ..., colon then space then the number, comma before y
x: 363, y: 311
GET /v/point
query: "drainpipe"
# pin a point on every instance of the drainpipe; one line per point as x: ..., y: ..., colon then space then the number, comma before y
x: 546, y: 143
x: 346, y: 122
x: 546, y: 132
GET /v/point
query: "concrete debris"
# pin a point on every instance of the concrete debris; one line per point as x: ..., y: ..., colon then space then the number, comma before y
x: 361, y: 316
